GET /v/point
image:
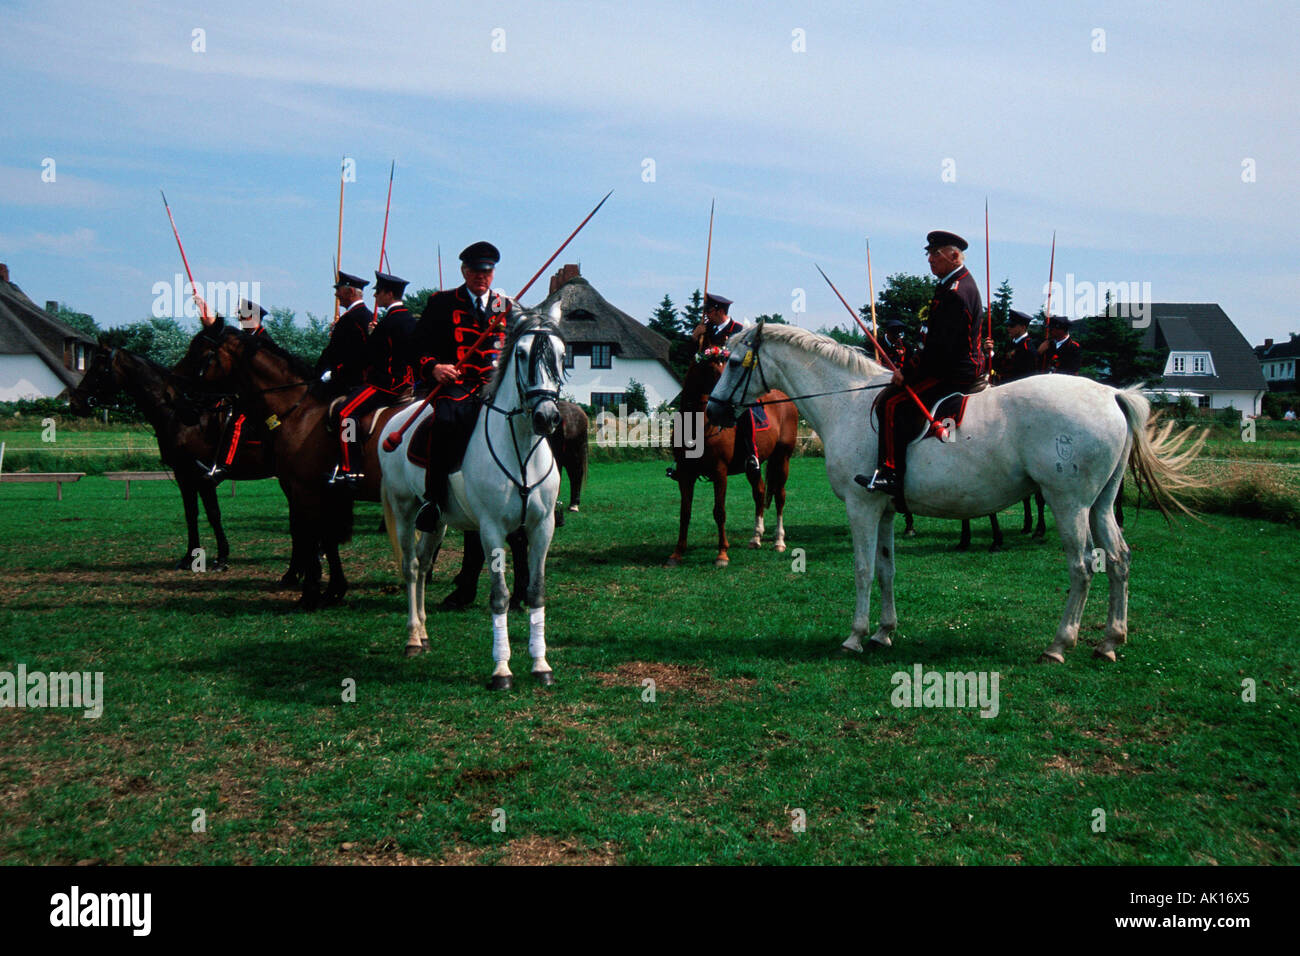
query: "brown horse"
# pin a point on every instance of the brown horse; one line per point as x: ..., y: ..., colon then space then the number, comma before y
x: 569, y: 446
x: 720, y: 458
x: 188, y: 434
x: 277, y: 387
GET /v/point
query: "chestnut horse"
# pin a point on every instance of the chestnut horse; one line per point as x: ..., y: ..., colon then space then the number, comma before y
x: 720, y: 458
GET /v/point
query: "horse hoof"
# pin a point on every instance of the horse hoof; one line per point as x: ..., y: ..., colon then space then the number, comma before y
x: 843, y: 651
x: 909, y: 533
x: 1051, y: 657
x: 573, y: 507
x: 756, y: 544
x: 673, y: 562
x: 220, y: 566
x: 456, y: 601
x: 500, y: 682
x: 182, y: 565
x: 413, y: 650
x: 545, y: 678
x: 721, y: 562
x: 1104, y: 655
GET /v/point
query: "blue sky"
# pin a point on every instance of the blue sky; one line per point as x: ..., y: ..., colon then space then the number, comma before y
x: 814, y: 126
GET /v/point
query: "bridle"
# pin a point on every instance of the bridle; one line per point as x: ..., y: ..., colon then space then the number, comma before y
x: 531, y: 394
x: 751, y: 363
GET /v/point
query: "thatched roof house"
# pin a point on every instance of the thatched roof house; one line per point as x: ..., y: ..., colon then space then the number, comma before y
x: 40, y: 356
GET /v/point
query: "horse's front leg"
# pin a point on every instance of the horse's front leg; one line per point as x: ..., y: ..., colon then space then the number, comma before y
x: 720, y: 514
x: 539, y: 542
x: 685, y: 485
x: 494, y: 540
x: 208, y: 494
x: 864, y: 523
x: 189, y: 500
x: 760, y: 492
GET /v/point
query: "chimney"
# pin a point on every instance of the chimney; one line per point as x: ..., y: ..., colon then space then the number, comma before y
x: 4, y: 272
x: 51, y: 307
x: 1268, y: 344
x: 566, y: 273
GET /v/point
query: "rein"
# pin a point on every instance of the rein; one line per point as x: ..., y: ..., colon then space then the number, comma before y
x: 525, y: 394
x: 753, y: 361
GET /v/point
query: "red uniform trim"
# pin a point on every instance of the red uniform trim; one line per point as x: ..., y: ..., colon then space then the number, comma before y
x: 234, y: 439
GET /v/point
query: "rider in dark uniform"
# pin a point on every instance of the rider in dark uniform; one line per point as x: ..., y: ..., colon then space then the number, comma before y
x: 714, y: 331
x: 341, y: 366
x: 1021, y: 358
x: 443, y: 346
x: 893, y: 342
x: 1059, y: 353
x: 951, y: 359
x: 388, y: 375
x: 237, y: 432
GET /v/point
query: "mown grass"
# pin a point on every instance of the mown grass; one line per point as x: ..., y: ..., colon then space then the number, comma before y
x: 220, y: 697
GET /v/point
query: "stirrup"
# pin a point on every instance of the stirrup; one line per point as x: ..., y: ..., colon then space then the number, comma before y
x: 429, y: 517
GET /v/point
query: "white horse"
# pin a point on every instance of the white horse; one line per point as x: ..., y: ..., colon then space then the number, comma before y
x: 1067, y: 435
x: 507, y: 480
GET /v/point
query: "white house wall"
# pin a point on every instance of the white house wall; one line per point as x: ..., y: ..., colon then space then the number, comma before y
x: 660, y: 386
x: 26, y: 376
x: 1248, y: 402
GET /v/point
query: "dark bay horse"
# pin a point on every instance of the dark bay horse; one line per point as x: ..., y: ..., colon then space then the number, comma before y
x: 569, y: 446
x: 188, y: 434
x: 277, y: 387
x: 720, y: 458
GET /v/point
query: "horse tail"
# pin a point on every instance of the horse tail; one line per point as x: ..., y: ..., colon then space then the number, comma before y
x: 1158, y: 457
x: 339, y: 514
x: 390, y: 522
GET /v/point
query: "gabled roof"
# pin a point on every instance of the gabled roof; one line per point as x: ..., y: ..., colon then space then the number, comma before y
x: 1204, y: 327
x: 586, y: 318
x: 27, y: 329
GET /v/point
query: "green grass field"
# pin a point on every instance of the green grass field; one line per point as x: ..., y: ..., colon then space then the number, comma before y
x: 219, y: 697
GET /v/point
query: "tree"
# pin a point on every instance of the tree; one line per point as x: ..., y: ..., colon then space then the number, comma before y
x: 1002, y: 304
x: 80, y: 321
x: 665, y: 320
x: 693, y: 314
x: 773, y: 318
x: 305, y: 343
x: 159, y: 340
x: 634, y: 397
x: 416, y: 301
x: 905, y: 297
x: 846, y: 336
x: 1113, y: 353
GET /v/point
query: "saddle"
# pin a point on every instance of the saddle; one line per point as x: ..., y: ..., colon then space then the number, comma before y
x: 951, y: 406
x: 419, y: 450
x: 762, y: 422
x: 368, y: 420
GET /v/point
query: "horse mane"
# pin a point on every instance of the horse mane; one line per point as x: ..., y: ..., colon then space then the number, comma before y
x: 527, y: 322
x: 850, y: 359
x: 262, y: 343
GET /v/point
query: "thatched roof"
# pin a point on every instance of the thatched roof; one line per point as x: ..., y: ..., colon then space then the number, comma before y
x: 27, y: 329
x: 587, y: 318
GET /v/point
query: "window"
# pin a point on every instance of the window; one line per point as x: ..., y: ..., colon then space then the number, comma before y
x: 600, y: 356
x: 1202, y: 401
x: 1198, y: 365
x: 568, y: 358
x: 1180, y: 365
x: 606, y: 399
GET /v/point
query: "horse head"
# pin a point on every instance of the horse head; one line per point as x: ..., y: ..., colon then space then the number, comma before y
x: 737, y: 385
x: 99, y: 385
x: 533, y: 355
x: 212, y: 356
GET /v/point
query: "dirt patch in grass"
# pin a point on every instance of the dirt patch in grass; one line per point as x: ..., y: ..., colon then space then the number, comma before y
x: 383, y: 853
x: 536, y: 851
x: 691, y: 678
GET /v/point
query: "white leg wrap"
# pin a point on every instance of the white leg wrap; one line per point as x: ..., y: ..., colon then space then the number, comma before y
x: 500, y: 638
x: 537, y: 632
